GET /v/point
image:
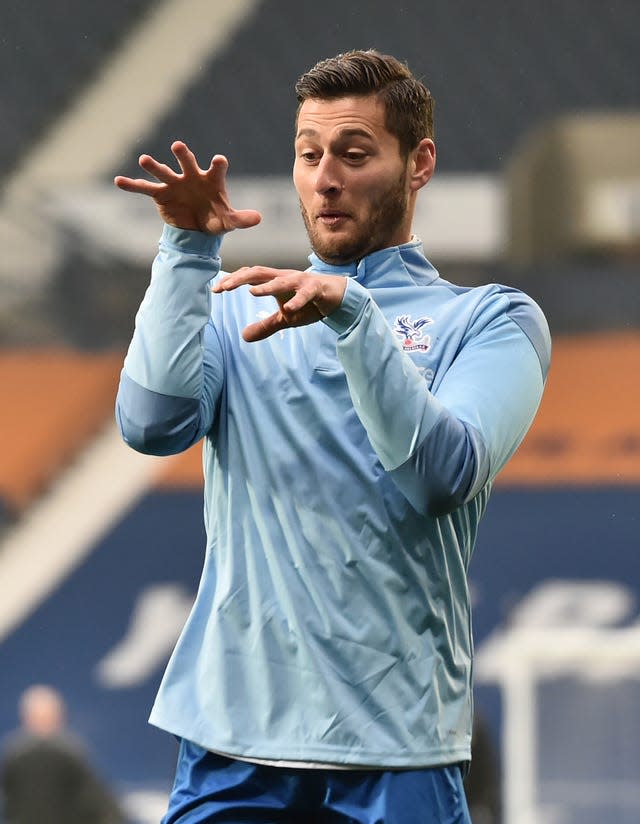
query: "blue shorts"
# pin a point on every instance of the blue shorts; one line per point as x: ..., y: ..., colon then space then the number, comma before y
x: 213, y: 788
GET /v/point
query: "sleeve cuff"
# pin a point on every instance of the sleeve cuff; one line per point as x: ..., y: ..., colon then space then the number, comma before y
x: 190, y: 242
x: 350, y: 310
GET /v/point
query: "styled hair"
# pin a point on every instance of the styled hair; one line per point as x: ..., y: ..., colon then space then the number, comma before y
x: 407, y: 102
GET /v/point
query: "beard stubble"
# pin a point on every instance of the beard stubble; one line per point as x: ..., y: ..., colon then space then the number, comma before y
x: 386, y: 215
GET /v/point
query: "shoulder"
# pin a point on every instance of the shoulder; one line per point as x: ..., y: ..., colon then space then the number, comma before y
x: 494, y: 308
x: 482, y: 304
x: 529, y: 317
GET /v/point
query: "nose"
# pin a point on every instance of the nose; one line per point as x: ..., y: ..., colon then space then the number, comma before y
x: 328, y: 178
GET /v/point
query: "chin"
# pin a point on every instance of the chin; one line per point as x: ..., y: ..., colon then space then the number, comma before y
x: 337, y: 257
x: 335, y: 252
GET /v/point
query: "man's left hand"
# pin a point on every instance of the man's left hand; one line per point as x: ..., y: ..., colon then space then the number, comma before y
x: 303, y: 297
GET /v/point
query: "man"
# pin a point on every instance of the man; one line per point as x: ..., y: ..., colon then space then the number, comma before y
x: 45, y: 773
x: 325, y: 671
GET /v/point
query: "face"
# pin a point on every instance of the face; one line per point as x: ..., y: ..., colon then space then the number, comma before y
x: 355, y: 189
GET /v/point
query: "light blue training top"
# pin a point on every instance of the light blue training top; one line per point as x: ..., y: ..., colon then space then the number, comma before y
x: 346, y: 466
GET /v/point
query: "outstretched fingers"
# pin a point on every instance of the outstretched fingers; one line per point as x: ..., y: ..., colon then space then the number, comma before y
x: 302, y: 297
x: 163, y: 174
x: 216, y: 182
x: 139, y: 186
x: 186, y: 158
x: 218, y: 167
x: 245, y: 276
x: 160, y: 171
x: 292, y: 289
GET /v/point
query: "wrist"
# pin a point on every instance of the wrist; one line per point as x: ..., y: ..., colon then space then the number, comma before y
x: 191, y: 241
x: 354, y: 300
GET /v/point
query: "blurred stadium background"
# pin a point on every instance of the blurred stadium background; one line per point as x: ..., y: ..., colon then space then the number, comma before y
x: 538, y: 186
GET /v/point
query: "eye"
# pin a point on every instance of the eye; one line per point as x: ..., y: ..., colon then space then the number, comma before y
x: 308, y: 156
x: 354, y: 156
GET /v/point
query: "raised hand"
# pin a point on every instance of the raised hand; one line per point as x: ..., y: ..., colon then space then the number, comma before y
x: 303, y: 297
x: 192, y: 198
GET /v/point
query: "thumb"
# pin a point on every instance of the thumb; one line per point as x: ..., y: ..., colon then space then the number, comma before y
x: 264, y: 328
x: 244, y: 218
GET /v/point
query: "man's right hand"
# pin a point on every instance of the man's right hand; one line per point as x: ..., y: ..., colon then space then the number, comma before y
x: 193, y: 198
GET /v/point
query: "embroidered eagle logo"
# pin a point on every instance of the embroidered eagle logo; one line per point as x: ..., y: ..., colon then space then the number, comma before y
x: 411, y: 332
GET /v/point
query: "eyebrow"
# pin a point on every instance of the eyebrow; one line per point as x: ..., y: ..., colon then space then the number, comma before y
x: 353, y: 131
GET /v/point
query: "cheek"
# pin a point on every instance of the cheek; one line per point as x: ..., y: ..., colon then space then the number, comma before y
x: 305, y: 196
x: 373, y: 187
x: 370, y: 197
x: 302, y: 179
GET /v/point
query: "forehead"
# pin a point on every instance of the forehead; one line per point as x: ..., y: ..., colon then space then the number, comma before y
x: 331, y: 117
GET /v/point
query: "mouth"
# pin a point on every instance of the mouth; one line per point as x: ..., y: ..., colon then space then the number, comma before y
x: 331, y: 217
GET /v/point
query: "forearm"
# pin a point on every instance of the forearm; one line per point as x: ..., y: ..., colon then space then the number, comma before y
x: 440, y: 447
x: 172, y: 371
x: 428, y: 450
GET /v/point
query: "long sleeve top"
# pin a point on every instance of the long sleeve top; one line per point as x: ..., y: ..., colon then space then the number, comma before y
x: 346, y: 467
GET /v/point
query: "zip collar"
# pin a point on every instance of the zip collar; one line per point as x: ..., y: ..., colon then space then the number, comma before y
x: 390, y: 267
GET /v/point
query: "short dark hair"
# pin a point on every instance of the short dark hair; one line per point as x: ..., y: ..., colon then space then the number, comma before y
x: 407, y: 101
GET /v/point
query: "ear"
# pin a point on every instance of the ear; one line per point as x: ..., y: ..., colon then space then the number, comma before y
x: 422, y: 164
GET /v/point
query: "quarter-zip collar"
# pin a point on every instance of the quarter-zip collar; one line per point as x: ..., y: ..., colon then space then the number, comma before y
x: 389, y: 267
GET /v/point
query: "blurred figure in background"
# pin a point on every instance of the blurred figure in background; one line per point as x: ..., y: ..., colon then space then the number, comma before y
x: 45, y: 774
x: 482, y: 783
